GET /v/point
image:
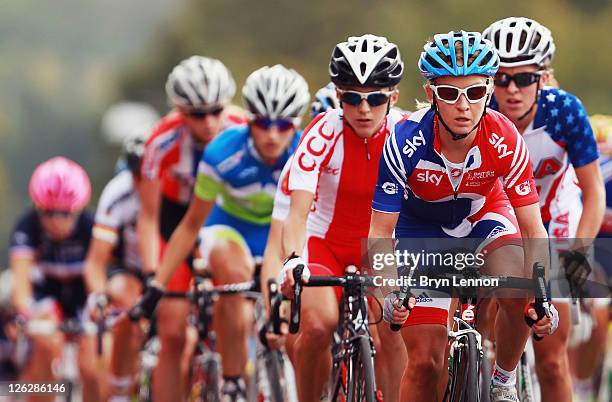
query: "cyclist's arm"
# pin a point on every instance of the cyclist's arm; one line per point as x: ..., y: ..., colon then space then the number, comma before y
x: 593, y: 200
x: 98, y: 256
x: 294, y: 228
x: 21, y: 267
x: 148, y: 223
x: 183, y: 238
x: 272, y: 258
x: 534, y: 235
x: 381, y: 244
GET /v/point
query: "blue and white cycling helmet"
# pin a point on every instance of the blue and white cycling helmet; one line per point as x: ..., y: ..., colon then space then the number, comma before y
x: 439, y: 57
x: 325, y: 99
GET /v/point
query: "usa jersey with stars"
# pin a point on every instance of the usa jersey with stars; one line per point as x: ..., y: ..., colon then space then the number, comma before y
x: 559, y: 139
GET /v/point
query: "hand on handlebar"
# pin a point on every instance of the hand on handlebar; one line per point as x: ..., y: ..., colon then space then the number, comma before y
x: 285, y: 277
x: 145, y: 307
x: 271, y: 340
x: 393, y: 312
x: 542, y: 325
x: 577, y: 269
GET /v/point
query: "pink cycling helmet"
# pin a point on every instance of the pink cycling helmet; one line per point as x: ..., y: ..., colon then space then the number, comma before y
x: 60, y: 184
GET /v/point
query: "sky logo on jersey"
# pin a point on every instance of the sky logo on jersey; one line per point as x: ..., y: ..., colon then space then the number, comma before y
x: 390, y: 188
x: 427, y: 177
x: 523, y: 189
x: 498, y: 144
x: 412, y: 146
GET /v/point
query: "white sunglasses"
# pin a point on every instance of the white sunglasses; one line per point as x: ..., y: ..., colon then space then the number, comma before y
x: 450, y: 94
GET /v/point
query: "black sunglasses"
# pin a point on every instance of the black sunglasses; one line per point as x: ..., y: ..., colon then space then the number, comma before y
x: 520, y: 79
x: 376, y: 98
x: 282, y: 124
x: 203, y: 113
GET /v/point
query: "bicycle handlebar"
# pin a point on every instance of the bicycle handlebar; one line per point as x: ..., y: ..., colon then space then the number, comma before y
x: 537, y: 283
x: 319, y: 281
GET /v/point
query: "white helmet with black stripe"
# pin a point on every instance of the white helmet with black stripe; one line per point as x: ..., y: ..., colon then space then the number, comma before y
x: 276, y: 93
x: 367, y: 61
x: 200, y: 81
x: 521, y: 41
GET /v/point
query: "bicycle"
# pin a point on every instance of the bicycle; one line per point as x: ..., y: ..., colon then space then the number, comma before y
x: 353, y: 377
x: 65, y: 368
x: 466, y: 350
x: 274, y: 377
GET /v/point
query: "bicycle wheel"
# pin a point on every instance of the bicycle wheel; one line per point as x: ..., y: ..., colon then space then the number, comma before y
x: 145, y: 391
x: 464, y: 374
x: 524, y: 385
x: 361, y: 384
x: 485, y: 372
x: 276, y: 375
x: 205, y: 379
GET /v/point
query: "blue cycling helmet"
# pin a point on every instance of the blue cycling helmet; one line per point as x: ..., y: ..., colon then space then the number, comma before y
x: 325, y: 99
x: 439, y: 57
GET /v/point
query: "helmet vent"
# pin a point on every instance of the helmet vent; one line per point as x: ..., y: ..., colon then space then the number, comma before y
x: 536, y: 41
x: 261, y: 97
x: 362, y: 68
x: 364, y: 46
x: 509, y: 45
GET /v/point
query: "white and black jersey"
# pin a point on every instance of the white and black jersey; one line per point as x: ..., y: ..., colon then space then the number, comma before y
x: 116, y: 218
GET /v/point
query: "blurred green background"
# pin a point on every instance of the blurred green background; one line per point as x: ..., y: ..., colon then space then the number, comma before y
x: 64, y: 62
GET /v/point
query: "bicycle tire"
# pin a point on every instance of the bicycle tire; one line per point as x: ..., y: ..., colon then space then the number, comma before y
x: 361, y: 384
x: 464, y: 385
x: 205, y: 377
x: 275, y: 372
x: 524, y: 385
x: 145, y: 385
x: 485, y: 377
x: 211, y: 392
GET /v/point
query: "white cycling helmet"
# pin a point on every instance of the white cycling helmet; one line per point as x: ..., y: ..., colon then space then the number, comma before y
x: 276, y: 93
x: 199, y: 81
x: 368, y: 60
x: 521, y: 41
x: 324, y: 99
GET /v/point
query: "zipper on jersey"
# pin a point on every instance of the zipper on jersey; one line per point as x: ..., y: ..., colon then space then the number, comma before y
x: 367, y: 151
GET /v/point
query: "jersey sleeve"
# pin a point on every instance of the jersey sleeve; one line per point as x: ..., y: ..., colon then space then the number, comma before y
x: 107, y: 220
x: 571, y: 124
x: 517, y: 173
x: 24, y: 237
x: 282, y: 198
x: 392, y: 176
x: 317, y: 143
x: 208, y: 181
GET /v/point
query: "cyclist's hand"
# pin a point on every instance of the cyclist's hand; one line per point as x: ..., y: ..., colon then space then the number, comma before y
x: 546, y: 325
x: 393, y: 313
x: 577, y: 268
x: 285, y: 277
x: 271, y: 340
x: 95, y: 305
x: 145, y: 307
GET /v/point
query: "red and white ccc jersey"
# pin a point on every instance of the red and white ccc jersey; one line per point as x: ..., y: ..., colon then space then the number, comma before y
x: 340, y: 168
x: 172, y: 155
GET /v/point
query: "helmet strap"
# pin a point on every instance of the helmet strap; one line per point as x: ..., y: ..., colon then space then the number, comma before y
x: 455, y: 136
